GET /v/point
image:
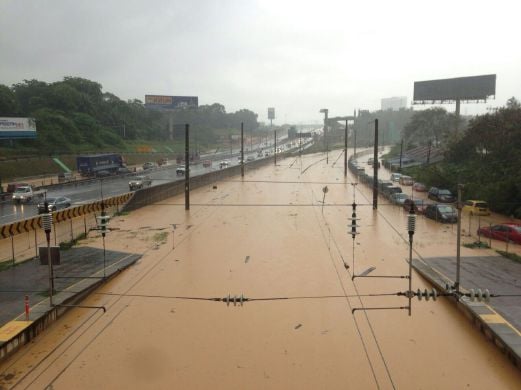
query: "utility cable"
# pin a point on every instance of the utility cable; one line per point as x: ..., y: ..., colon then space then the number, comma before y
x: 355, y: 321
x: 361, y: 302
x: 48, y: 355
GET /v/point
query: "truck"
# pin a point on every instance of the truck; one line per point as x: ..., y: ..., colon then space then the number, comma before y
x: 90, y: 165
x: 25, y: 194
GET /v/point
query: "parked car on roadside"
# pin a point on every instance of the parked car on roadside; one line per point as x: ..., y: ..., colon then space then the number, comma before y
x: 398, y: 198
x: 441, y: 213
x: 250, y: 158
x: 60, y: 202
x: 476, y: 207
x: 180, y: 171
x: 406, y: 180
x: 224, y: 164
x: 139, y: 182
x: 391, y: 190
x: 441, y: 195
x: 504, y: 231
x: 384, y: 183
x: 395, y: 176
x: 419, y: 205
x: 419, y: 187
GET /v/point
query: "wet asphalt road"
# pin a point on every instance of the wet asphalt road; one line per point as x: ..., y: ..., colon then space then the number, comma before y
x: 81, y: 193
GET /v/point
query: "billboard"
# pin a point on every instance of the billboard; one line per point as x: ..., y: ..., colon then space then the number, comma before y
x: 460, y: 88
x: 15, y: 128
x: 271, y: 113
x: 163, y: 102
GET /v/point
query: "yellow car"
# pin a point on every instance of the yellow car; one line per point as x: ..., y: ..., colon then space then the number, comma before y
x: 476, y: 207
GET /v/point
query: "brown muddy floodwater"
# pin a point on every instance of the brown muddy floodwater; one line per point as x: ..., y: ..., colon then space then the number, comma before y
x: 265, y: 237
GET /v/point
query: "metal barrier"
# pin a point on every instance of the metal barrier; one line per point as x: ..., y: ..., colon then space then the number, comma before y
x: 20, y: 240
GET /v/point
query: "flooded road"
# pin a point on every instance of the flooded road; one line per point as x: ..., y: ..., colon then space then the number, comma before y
x: 267, y: 236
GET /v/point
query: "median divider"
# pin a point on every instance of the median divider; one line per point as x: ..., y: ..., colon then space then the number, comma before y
x: 160, y: 192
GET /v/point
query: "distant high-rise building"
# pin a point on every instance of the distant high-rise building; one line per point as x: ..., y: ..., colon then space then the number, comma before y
x: 394, y: 103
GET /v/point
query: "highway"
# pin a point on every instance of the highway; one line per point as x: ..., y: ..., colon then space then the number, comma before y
x: 276, y: 238
x: 81, y: 193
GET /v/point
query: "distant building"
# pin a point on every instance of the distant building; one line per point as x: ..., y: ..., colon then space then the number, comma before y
x: 394, y: 103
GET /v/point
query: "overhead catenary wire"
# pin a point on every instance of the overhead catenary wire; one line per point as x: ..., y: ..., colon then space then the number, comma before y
x: 380, y: 352
x: 82, y: 324
x: 355, y: 321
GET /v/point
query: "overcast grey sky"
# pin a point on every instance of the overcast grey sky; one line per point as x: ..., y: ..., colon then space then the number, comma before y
x: 297, y: 56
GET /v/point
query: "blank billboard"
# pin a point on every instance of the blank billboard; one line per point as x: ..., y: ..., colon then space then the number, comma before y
x: 460, y: 88
x: 271, y: 113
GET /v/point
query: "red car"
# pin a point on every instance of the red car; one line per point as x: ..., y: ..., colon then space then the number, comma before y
x: 419, y: 205
x: 503, y: 231
x: 419, y: 187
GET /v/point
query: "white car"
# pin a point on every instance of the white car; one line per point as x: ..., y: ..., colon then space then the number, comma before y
x: 224, y: 164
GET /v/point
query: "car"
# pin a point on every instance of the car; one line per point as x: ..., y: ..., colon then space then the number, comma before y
x: 60, y: 202
x: 250, y: 158
x: 180, y: 171
x: 419, y: 205
x: 207, y: 163
x: 395, y: 177
x: 103, y: 173
x: 370, y: 161
x: 384, y: 183
x: 123, y: 170
x: 504, y: 231
x: 65, y: 177
x: 398, y: 198
x: 391, y: 190
x: 149, y: 165
x: 476, y: 207
x: 139, y: 182
x: 441, y: 213
x: 224, y: 164
x: 406, y: 180
x: 11, y: 187
x: 441, y: 195
x: 419, y: 187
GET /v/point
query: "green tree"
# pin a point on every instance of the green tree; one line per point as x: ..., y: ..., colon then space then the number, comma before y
x: 433, y: 125
x: 8, y: 104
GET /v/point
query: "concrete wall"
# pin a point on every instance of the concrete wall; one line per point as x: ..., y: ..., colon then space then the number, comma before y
x: 160, y: 192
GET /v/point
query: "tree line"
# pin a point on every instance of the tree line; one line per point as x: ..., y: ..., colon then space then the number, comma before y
x: 483, y: 153
x: 75, y: 114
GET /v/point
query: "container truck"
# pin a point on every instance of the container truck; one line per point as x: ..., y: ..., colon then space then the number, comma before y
x: 90, y: 165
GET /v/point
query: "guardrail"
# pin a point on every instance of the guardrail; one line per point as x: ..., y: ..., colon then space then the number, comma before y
x: 20, y: 240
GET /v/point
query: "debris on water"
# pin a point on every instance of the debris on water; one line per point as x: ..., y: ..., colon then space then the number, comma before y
x: 298, y: 326
x: 247, y: 259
